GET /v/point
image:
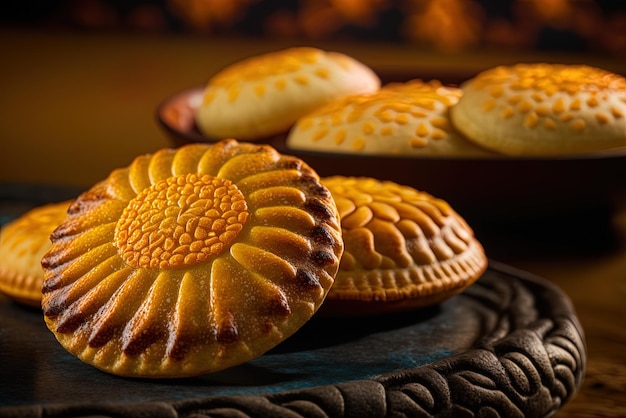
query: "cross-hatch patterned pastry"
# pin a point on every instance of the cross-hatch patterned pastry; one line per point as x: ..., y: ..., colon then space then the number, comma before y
x: 192, y: 260
x: 23, y: 242
x: 405, y: 119
x: 264, y: 95
x: 543, y: 109
x: 404, y: 249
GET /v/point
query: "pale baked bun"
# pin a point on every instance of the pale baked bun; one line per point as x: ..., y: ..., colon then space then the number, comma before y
x: 403, y: 249
x: 264, y: 95
x: 543, y: 109
x: 192, y: 260
x: 403, y: 119
x: 23, y: 242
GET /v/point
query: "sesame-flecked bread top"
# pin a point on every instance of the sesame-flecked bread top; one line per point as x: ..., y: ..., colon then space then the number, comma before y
x: 404, y: 248
x: 543, y: 109
x: 406, y: 119
x: 23, y: 242
x: 192, y: 260
x: 264, y: 95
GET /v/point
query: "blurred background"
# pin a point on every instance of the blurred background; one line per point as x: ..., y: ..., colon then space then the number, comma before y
x: 593, y: 26
x: 81, y: 79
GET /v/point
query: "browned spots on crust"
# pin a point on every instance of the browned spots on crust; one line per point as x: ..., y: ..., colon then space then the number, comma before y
x: 70, y: 322
x: 49, y: 261
x: 291, y: 164
x: 138, y: 345
x: 278, y: 306
x: 101, y: 336
x: 227, y: 331
x: 313, y: 186
x: 306, y: 279
x: 322, y: 258
x: 88, y: 200
x: 54, y: 307
x: 321, y: 235
x: 318, y: 209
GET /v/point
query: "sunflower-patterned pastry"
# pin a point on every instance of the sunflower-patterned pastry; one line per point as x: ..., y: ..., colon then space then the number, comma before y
x: 23, y: 242
x: 403, y: 249
x: 191, y: 260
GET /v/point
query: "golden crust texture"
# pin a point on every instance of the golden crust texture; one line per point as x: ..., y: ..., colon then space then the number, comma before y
x: 23, y: 242
x: 405, y: 119
x: 543, y: 109
x: 404, y: 249
x: 264, y: 95
x: 191, y: 260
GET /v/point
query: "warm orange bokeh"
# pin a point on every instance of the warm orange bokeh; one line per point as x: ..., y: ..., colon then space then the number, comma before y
x: 442, y: 25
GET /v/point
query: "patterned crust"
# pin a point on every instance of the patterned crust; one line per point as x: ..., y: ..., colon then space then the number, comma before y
x: 403, y: 119
x: 530, y: 363
x: 264, y: 95
x: 192, y: 260
x: 23, y: 242
x: 403, y: 248
x: 543, y: 109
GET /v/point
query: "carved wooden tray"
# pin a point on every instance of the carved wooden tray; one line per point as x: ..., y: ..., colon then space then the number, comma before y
x: 510, y: 345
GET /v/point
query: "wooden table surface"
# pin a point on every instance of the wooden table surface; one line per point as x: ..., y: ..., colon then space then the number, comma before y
x: 592, y: 272
x: 85, y: 103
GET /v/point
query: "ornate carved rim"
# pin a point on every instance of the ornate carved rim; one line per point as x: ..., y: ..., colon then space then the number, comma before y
x: 527, y: 365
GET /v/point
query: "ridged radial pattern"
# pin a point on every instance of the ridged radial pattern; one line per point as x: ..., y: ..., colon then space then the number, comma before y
x: 403, y: 248
x: 192, y: 260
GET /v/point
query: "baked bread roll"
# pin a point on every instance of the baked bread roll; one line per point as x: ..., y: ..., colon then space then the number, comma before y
x: 404, y: 119
x: 264, y: 95
x: 23, y: 242
x: 403, y: 249
x: 192, y: 260
x: 543, y: 109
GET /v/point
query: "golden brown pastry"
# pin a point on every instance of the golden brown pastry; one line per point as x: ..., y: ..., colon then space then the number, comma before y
x: 403, y: 249
x: 543, y: 109
x: 264, y: 95
x: 23, y: 242
x: 192, y: 260
x: 404, y: 119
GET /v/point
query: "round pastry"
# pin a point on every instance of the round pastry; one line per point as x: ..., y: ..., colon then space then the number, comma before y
x: 192, y: 260
x: 23, y: 242
x: 403, y: 249
x: 543, y: 109
x: 407, y: 119
x: 264, y: 95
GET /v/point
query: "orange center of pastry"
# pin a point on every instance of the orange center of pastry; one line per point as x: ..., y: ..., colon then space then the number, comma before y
x: 180, y: 221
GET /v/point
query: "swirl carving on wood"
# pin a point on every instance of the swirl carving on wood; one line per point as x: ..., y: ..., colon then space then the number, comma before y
x: 530, y: 363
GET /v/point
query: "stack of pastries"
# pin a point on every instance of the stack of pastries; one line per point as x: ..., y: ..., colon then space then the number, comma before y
x: 192, y: 260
